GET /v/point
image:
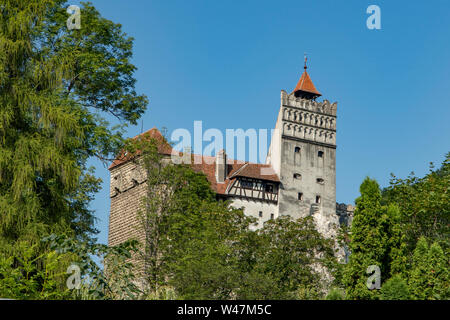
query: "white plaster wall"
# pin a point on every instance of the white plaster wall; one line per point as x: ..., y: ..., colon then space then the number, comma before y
x: 252, y: 208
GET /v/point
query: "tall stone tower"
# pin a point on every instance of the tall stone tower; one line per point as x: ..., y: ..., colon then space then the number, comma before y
x: 303, y: 154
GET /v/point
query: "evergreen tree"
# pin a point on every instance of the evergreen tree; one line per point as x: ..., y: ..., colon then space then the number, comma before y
x: 429, y: 276
x: 395, y: 289
x: 368, y: 242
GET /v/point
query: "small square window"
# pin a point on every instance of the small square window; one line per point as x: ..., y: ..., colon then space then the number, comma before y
x: 271, y: 216
x: 297, y: 176
x: 320, y: 181
x: 260, y: 214
x: 320, y: 154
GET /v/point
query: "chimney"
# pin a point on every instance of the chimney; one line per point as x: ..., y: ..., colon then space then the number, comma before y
x: 221, y: 166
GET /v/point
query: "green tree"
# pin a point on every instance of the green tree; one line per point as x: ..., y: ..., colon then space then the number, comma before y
x: 291, y: 257
x: 395, y: 289
x: 27, y: 274
x: 368, y: 241
x: 429, y: 277
x: 56, y: 88
x: 50, y: 125
x: 205, y: 264
x: 424, y: 205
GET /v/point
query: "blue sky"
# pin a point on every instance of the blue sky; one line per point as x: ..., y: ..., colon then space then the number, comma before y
x: 225, y: 62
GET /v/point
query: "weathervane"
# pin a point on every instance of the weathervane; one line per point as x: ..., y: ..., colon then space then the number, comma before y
x: 306, y: 59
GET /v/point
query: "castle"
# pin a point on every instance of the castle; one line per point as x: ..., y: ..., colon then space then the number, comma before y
x: 298, y: 178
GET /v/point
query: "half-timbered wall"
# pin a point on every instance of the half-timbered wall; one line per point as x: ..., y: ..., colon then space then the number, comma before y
x: 254, y: 189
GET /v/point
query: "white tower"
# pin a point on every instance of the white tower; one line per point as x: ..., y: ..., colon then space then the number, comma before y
x: 303, y: 154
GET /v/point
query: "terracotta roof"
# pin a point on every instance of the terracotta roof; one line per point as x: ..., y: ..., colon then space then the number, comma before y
x: 256, y: 171
x: 207, y: 165
x: 163, y: 147
x: 235, y: 168
x: 305, y: 84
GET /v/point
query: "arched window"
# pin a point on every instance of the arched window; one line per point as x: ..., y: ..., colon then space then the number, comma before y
x: 300, y: 196
x: 320, y: 154
x: 320, y: 181
x: 318, y: 199
x: 297, y: 150
x: 297, y: 176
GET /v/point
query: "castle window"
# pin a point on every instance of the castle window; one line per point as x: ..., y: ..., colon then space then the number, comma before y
x: 297, y: 176
x: 320, y: 154
x: 260, y: 214
x: 269, y: 188
x: 300, y: 196
x: 318, y: 199
x: 271, y: 216
x: 320, y: 181
x: 297, y: 150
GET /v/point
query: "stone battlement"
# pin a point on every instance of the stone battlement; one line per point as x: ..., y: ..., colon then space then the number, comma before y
x: 324, y: 107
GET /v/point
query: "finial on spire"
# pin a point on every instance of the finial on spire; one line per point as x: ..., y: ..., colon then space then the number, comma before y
x: 305, y: 88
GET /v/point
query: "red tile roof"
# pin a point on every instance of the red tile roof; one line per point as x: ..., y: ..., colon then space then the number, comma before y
x: 305, y: 84
x: 163, y: 146
x: 207, y: 165
x: 235, y: 168
x: 256, y: 171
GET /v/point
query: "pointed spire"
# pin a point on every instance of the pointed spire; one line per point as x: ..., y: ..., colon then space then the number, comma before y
x: 305, y: 87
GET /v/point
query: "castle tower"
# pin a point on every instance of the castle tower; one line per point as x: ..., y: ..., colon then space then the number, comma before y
x: 303, y: 154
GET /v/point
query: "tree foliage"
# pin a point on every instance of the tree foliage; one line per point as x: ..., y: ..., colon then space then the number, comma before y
x: 392, y: 230
x: 395, y: 288
x: 429, y: 277
x: 369, y: 239
x: 56, y: 86
x: 424, y: 205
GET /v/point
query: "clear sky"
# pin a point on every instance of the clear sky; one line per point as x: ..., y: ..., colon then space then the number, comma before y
x: 225, y: 62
